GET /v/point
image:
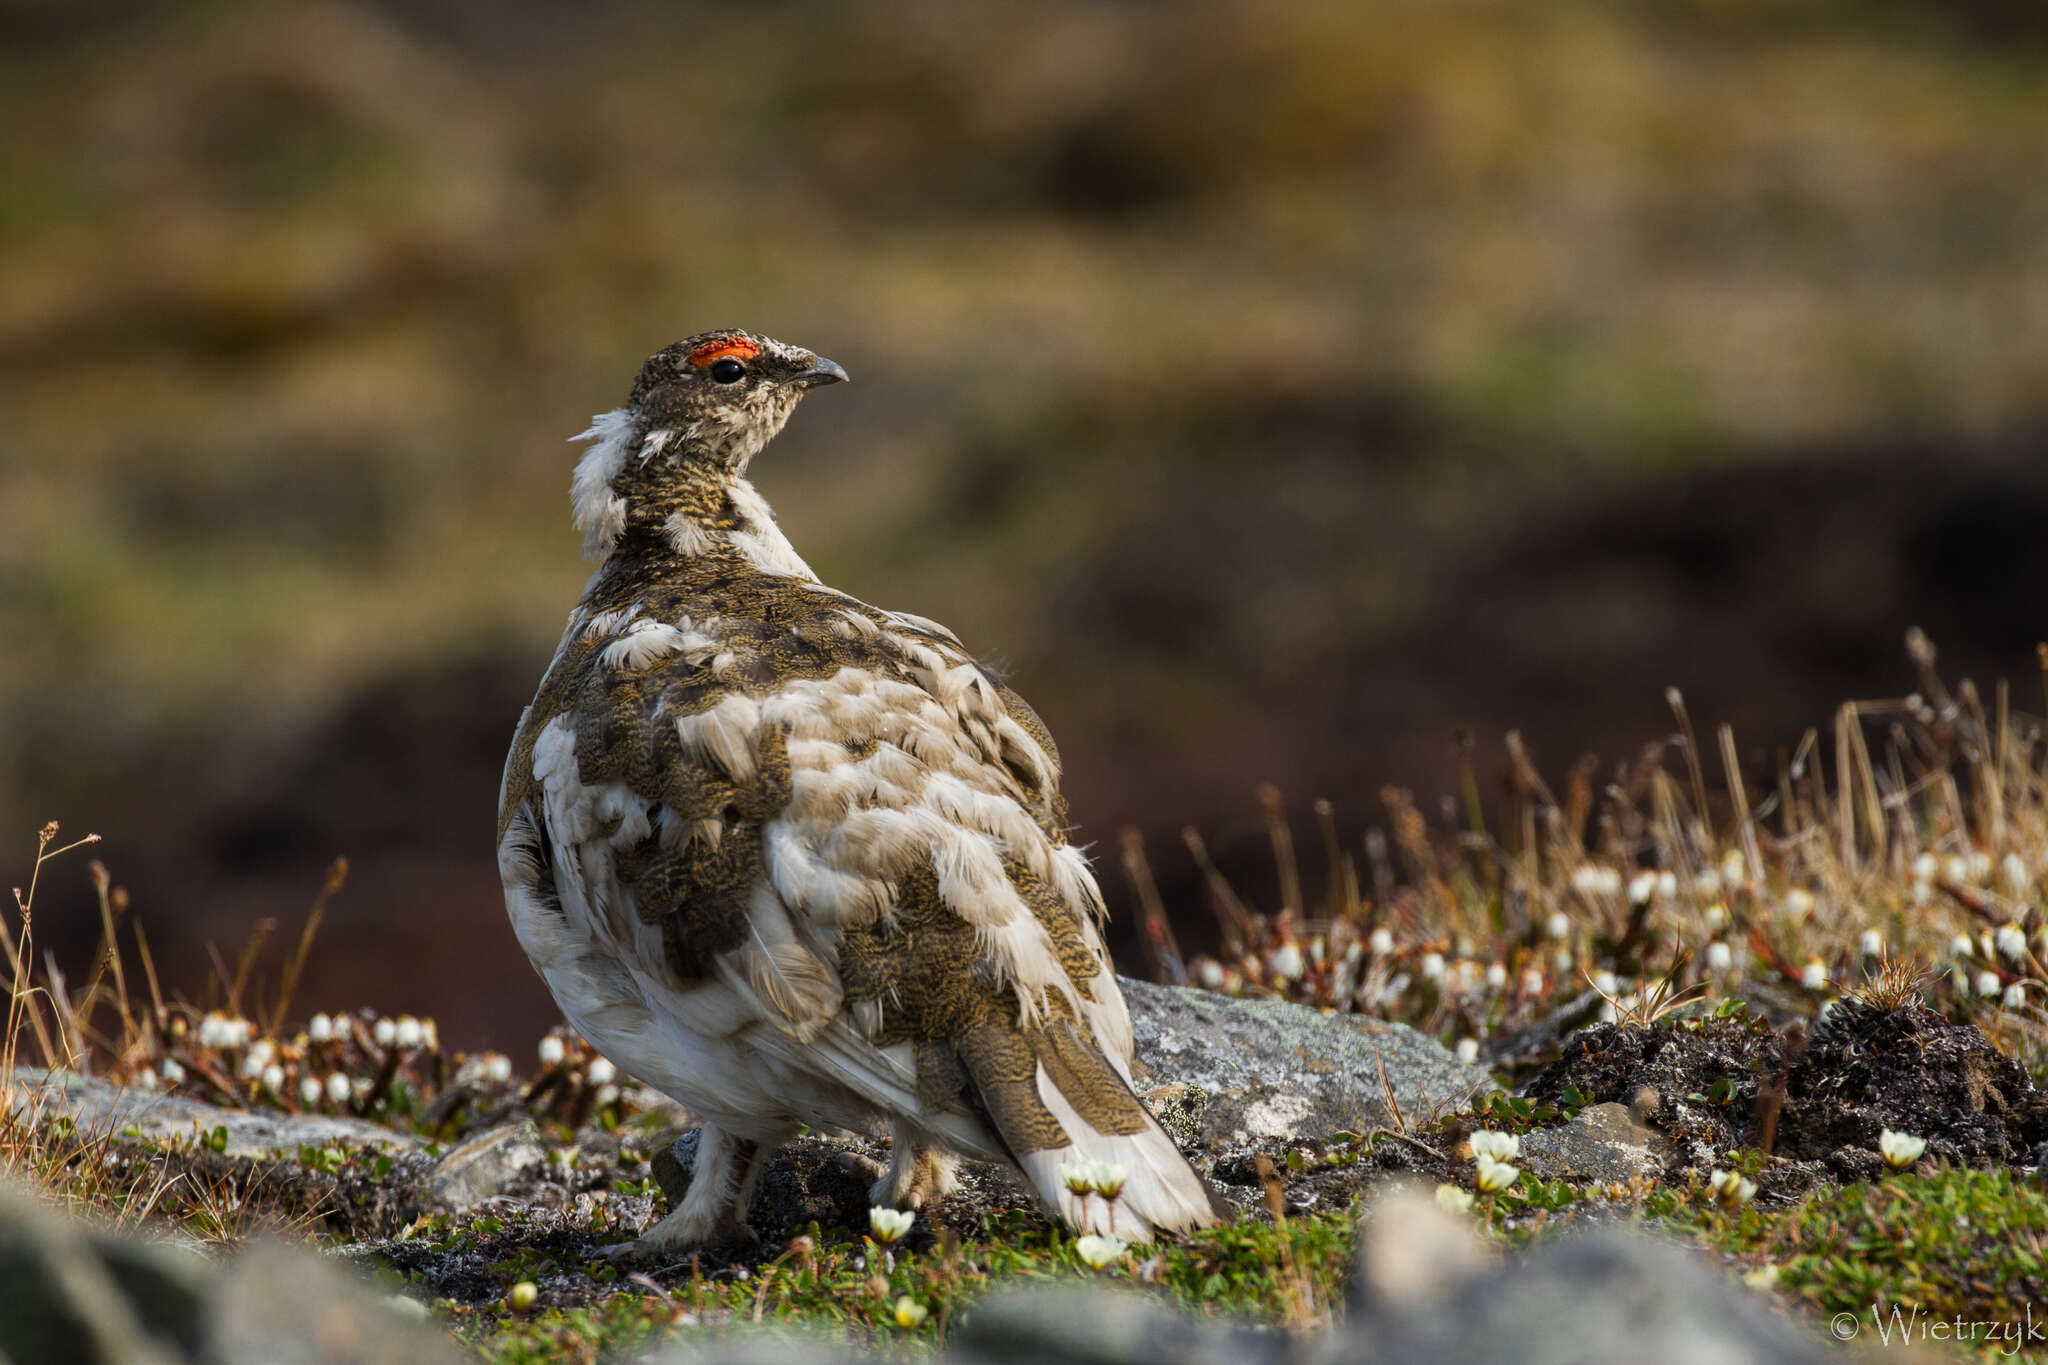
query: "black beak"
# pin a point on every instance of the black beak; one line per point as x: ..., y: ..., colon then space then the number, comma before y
x: 822, y: 371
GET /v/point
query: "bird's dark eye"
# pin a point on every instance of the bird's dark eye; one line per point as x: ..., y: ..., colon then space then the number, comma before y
x: 728, y: 371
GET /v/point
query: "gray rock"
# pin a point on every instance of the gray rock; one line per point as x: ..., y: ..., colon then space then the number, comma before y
x: 71, y: 1293
x: 1603, y: 1143
x: 1269, y: 1070
x: 481, y: 1167
x: 1099, y: 1327
x: 1605, y: 1298
x: 97, y: 1106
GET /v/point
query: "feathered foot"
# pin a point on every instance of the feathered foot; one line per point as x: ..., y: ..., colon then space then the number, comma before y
x: 713, y: 1210
x: 920, y: 1172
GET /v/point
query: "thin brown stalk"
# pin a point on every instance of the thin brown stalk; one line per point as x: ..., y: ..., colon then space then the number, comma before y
x: 337, y: 877
x: 1282, y: 837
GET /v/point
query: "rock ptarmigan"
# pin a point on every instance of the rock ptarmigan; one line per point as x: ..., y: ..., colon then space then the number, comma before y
x: 795, y: 860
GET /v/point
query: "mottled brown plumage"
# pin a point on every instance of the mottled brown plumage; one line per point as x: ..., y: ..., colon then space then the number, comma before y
x: 795, y: 859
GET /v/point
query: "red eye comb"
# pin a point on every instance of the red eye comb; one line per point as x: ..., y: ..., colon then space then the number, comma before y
x: 739, y: 348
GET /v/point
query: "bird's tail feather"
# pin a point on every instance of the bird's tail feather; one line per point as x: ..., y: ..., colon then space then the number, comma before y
x: 1056, y: 1100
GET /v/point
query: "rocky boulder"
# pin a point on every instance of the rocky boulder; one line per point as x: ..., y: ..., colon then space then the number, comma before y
x: 1224, y: 1072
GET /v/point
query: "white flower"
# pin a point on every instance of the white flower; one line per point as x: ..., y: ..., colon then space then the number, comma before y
x: 1210, y: 973
x: 1110, y: 1177
x: 1719, y: 958
x: 1532, y: 981
x: 1799, y: 904
x: 1286, y: 962
x: 1468, y: 1050
x: 273, y: 1078
x: 1732, y: 1187
x: 146, y: 1080
x: 2015, y: 997
x: 1495, y: 1176
x: 1079, y: 1176
x: 2011, y: 941
x: 1099, y: 1251
x: 1980, y: 866
x: 1496, y: 976
x: 255, y: 1060
x: 889, y: 1225
x: 1715, y: 917
x: 309, y: 1090
x: 1815, y: 975
x: 1873, y: 943
x: 552, y: 1051
x: 497, y: 1068
x: 605, y: 1096
x: 2017, y: 878
x: 1433, y: 966
x: 601, y: 1071
x: 1606, y: 982
x: 430, y: 1034
x: 1641, y: 887
x: 1763, y: 1277
x: 338, y: 1087
x: 1562, y: 960
x: 409, y: 1032
x: 1734, y: 867
x: 1955, y: 869
x: 1922, y: 893
x: 1708, y: 883
x: 1381, y: 942
x: 1989, y: 984
x: 213, y: 1030
x: 385, y: 1032
x: 1667, y: 884
x: 908, y: 1314
x: 1962, y: 945
x: 1499, y: 1146
x: 1588, y: 879
x: 320, y: 1028
x: 1900, y: 1149
x: 1924, y: 868
x: 1451, y: 1199
x: 172, y: 1072
x: 1559, y: 925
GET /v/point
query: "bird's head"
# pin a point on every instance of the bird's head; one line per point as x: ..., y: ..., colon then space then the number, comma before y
x: 701, y: 409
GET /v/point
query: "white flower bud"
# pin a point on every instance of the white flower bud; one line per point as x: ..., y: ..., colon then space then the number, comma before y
x: 1468, y: 1050
x: 552, y: 1051
x: 601, y: 1071
x: 1381, y: 942
x: 409, y: 1033
x: 309, y: 1090
x: 1900, y: 1150
x: 1719, y: 958
x: 320, y: 1028
x: 385, y: 1032
x: 889, y: 1225
x: 338, y: 1087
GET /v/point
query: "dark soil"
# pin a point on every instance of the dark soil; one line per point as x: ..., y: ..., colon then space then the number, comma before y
x: 1865, y: 1069
x: 1914, y: 1071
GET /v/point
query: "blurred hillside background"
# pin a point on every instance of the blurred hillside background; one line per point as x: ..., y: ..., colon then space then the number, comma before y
x: 1271, y: 389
